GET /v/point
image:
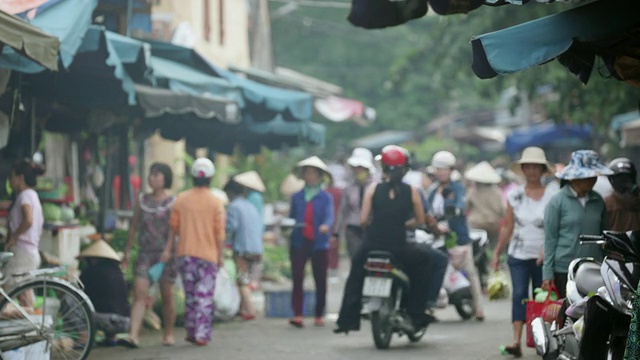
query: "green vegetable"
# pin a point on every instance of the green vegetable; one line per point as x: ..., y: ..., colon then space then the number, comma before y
x: 541, y: 295
x: 67, y: 213
x: 51, y: 212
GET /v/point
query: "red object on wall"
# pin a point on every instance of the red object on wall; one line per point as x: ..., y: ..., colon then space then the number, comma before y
x: 136, y: 184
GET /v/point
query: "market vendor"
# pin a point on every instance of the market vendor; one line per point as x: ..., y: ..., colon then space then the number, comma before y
x: 25, y: 220
x: 105, y: 285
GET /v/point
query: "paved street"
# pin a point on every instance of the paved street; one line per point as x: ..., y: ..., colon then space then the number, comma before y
x: 269, y: 338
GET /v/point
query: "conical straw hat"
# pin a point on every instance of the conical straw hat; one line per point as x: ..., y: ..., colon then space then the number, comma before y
x: 100, y: 249
x: 250, y: 179
x: 291, y: 185
x: 483, y: 173
x: 313, y: 161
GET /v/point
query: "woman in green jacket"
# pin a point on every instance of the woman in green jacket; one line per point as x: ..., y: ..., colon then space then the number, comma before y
x: 576, y: 210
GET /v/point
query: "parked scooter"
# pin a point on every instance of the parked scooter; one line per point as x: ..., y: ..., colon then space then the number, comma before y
x: 384, y: 294
x: 456, y: 288
x: 612, y: 285
x: 480, y: 243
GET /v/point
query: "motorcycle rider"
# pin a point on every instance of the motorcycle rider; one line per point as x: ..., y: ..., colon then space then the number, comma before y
x: 623, y: 205
x: 385, y: 209
x: 446, y: 199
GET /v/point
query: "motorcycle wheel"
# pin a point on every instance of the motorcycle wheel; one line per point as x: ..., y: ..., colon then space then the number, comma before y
x: 415, y: 337
x: 381, y: 327
x: 463, y: 302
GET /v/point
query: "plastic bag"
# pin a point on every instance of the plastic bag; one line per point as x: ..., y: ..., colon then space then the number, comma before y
x: 577, y: 309
x: 498, y: 285
x: 226, y: 297
x: 547, y: 309
x: 457, y: 256
x: 578, y: 328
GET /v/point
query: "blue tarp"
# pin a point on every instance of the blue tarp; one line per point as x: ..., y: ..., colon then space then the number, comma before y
x: 545, y: 134
x: 68, y: 20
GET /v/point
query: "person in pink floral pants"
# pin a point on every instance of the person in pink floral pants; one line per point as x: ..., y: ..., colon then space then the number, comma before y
x: 198, y: 221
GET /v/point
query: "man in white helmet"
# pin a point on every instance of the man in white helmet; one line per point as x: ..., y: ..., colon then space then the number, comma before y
x: 446, y: 200
x: 198, y: 229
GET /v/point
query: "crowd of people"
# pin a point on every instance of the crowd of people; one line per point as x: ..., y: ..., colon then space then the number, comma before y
x: 535, y: 210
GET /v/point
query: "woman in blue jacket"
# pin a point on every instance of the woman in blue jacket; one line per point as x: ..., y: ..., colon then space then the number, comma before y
x: 312, y: 208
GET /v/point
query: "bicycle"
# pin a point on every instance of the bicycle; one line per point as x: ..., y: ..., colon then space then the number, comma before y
x: 41, y: 308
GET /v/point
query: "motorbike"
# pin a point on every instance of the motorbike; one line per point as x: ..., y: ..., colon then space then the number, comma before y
x: 480, y: 243
x: 456, y: 288
x: 610, y: 287
x: 384, y: 294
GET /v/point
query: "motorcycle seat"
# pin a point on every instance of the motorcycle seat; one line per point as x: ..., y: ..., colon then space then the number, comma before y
x: 380, y: 254
x: 398, y: 272
x: 588, y: 278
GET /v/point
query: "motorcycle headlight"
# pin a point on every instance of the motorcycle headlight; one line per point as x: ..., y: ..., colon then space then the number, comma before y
x: 621, y: 295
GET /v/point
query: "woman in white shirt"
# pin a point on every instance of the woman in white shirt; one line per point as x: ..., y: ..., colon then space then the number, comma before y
x: 523, y: 232
x: 25, y: 220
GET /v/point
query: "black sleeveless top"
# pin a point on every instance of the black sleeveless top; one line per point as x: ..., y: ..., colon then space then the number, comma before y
x: 387, y: 228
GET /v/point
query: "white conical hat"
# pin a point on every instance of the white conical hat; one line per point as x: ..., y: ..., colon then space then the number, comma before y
x: 484, y: 173
x: 291, y: 185
x: 100, y: 249
x: 250, y: 179
x: 313, y: 161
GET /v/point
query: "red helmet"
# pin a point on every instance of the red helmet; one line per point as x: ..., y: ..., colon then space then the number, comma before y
x: 393, y: 155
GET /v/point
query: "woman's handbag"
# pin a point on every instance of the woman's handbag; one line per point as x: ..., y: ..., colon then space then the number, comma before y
x: 548, y: 310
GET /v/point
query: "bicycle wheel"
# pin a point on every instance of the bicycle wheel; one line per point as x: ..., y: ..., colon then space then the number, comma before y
x: 63, y: 316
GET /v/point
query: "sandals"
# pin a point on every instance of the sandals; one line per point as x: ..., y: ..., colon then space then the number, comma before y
x: 128, y: 343
x: 319, y: 322
x: 192, y: 340
x: 247, y: 317
x: 296, y: 323
x: 516, y: 351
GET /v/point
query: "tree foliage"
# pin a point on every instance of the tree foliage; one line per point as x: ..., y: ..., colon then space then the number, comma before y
x: 418, y: 71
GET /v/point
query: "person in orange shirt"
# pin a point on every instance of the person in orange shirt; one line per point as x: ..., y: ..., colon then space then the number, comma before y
x: 198, y: 230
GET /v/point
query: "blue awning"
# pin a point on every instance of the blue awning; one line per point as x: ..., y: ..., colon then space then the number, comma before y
x: 290, y: 103
x: 68, y: 20
x: 620, y: 120
x: 182, y: 78
x: 101, y: 73
x: 545, y: 134
x: 575, y: 36
x: 381, y: 139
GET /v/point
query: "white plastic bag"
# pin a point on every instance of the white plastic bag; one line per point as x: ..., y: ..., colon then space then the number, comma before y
x: 226, y: 297
x: 454, y: 280
x: 458, y: 256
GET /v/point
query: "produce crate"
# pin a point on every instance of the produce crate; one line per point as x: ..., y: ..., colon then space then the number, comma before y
x: 278, y: 303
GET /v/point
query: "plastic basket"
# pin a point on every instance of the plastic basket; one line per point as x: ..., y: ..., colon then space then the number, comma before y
x: 278, y: 303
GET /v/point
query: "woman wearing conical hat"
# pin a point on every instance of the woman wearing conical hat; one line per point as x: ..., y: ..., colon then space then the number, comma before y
x: 312, y: 208
x: 484, y: 202
x: 104, y: 284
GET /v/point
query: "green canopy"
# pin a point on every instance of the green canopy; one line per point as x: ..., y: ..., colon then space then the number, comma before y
x: 67, y: 20
x: 29, y: 41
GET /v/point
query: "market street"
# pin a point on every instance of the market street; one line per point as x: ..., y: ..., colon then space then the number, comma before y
x: 274, y: 339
